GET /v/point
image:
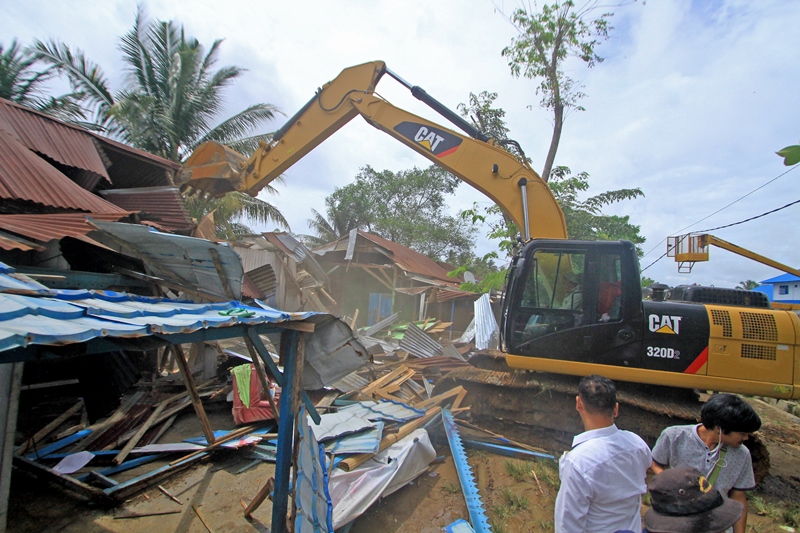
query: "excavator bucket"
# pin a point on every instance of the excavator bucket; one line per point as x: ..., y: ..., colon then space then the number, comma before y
x: 213, y: 169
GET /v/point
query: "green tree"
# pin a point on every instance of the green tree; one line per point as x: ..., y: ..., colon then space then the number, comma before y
x: 407, y: 207
x: 169, y: 105
x: 546, y: 40
x: 22, y: 80
x: 747, y: 285
x: 585, y: 219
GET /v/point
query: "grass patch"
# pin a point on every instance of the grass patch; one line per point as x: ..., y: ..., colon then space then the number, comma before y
x: 497, y: 526
x: 517, y: 470
x: 451, y: 488
x: 547, y: 473
x: 788, y: 515
x: 514, y: 499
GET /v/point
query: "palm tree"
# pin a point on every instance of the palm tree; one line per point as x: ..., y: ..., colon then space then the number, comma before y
x: 336, y: 225
x: 747, y: 285
x: 169, y: 105
x: 22, y: 83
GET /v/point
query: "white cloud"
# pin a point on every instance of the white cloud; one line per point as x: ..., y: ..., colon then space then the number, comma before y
x: 690, y: 105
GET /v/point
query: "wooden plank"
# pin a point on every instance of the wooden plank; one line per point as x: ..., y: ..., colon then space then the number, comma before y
x: 131, y: 444
x: 100, y: 427
x: 142, y: 515
x: 355, y: 460
x: 49, y: 428
x: 262, y: 494
x: 244, y: 430
x: 355, y: 318
x: 437, y: 400
x: 188, y: 381
x: 61, y: 479
x: 223, y: 278
x: 381, y: 381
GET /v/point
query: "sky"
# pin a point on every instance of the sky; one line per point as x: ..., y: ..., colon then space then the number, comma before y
x: 691, y: 103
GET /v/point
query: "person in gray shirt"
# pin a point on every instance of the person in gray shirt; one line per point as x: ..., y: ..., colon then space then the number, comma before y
x: 714, y: 448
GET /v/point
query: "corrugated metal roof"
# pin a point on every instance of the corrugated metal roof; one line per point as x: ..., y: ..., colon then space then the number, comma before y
x: 26, y: 176
x: 44, y: 228
x: 264, y: 278
x: 407, y: 259
x: 178, y: 257
x: 130, y: 167
x: 417, y: 342
x: 164, y: 205
x: 67, y: 317
x: 384, y: 410
x: 58, y: 141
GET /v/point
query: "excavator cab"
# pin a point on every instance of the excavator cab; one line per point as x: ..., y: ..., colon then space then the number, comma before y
x: 575, y: 301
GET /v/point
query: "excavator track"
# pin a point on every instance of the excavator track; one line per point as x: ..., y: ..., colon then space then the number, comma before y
x: 539, y: 408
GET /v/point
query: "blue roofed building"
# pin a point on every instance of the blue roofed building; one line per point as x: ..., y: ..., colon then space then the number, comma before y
x: 782, y: 289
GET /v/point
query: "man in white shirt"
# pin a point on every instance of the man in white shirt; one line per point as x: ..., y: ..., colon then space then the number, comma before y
x: 603, y: 476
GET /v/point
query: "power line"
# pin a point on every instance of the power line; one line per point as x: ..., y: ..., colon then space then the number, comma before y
x: 727, y: 206
x: 728, y: 226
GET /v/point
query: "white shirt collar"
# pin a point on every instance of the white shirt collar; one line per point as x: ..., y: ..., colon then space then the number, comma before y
x: 594, y: 434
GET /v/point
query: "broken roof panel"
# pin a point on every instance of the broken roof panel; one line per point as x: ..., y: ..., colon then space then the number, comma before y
x: 164, y: 205
x: 410, y: 261
x: 177, y: 257
x: 26, y: 176
x: 68, y: 145
x: 44, y: 228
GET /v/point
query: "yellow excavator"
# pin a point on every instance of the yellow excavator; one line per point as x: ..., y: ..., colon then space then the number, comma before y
x: 571, y: 308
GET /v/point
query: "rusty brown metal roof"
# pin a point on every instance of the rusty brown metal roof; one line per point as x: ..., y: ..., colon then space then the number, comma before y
x: 26, y: 176
x: 408, y: 259
x: 163, y: 205
x: 130, y: 167
x: 68, y: 145
x: 48, y: 227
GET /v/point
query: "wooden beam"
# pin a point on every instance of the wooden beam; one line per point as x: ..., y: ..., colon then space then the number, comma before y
x: 61, y: 479
x: 355, y: 460
x: 131, y: 444
x: 49, y: 428
x: 377, y: 277
x: 188, y: 381
x: 262, y: 494
x: 99, y: 428
x: 223, y: 277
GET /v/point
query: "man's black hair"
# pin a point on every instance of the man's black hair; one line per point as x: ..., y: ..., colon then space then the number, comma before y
x: 598, y: 394
x: 730, y: 413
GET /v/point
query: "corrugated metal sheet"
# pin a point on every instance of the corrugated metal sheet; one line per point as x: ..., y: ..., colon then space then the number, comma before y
x: 129, y: 167
x: 444, y: 295
x: 264, y: 278
x: 295, y: 249
x: 408, y: 260
x: 250, y: 289
x: 26, y: 176
x: 384, y: 410
x: 164, y: 205
x: 44, y: 228
x: 334, y: 425
x: 417, y: 342
x: 314, y: 506
x: 60, y: 142
x: 180, y: 258
x: 350, y: 383
x: 486, y: 328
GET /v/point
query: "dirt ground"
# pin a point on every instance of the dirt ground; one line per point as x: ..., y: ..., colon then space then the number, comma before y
x: 514, y: 498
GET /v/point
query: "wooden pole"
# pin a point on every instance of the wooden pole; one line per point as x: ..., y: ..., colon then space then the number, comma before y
x: 188, y: 380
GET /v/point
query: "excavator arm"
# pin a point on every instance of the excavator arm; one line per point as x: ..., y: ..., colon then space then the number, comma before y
x: 510, y: 182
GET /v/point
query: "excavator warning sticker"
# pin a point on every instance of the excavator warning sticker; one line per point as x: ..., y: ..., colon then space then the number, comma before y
x: 665, y: 324
x: 437, y: 141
